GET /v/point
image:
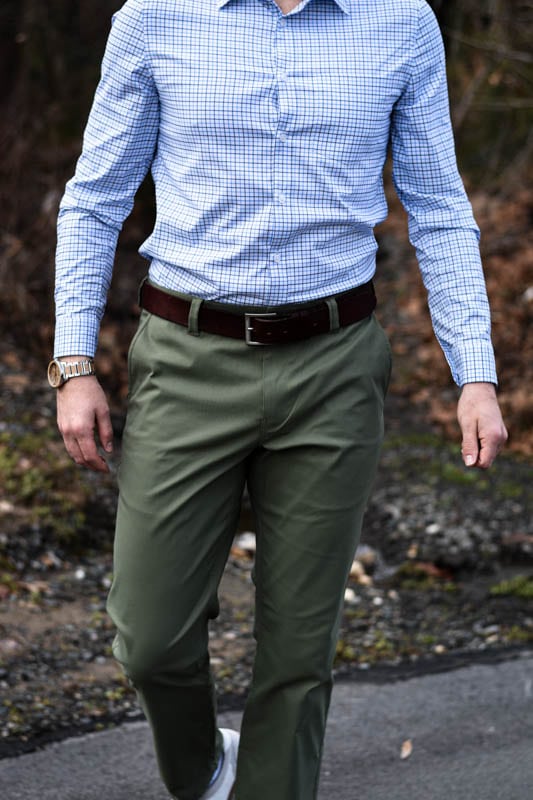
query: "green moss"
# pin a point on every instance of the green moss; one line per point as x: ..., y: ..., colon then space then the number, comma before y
x: 518, y: 635
x: 116, y: 694
x: 426, y: 639
x: 6, y: 563
x: 41, y: 482
x: 519, y: 586
x: 7, y: 580
x: 412, y: 577
x: 356, y: 613
x: 510, y: 490
x: 396, y: 441
x: 383, y: 646
x: 224, y: 672
x: 452, y: 473
x: 449, y: 586
x: 15, y: 717
x: 344, y: 651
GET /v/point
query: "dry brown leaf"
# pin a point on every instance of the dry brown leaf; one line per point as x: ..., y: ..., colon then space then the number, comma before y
x: 432, y: 570
x: 34, y: 587
x: 407, y: 749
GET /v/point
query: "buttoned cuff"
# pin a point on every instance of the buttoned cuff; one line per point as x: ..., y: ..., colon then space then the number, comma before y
x: 472, y: 361
x: 76, y: 334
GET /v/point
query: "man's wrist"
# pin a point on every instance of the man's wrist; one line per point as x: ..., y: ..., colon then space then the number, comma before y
x: 482, y: 386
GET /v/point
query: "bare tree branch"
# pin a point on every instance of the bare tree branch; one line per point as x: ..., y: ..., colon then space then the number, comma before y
x: 499, y: 50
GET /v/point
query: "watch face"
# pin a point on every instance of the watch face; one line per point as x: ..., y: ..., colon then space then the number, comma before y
x: 54, y: 374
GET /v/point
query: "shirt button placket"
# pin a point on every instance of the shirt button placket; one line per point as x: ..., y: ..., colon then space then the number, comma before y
x: 279, y: 196
x: 282, y: 77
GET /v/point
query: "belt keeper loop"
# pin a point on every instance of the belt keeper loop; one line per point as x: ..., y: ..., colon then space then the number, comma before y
x: 192, y: 321
x: 140, y: 291
x: 333, y: 313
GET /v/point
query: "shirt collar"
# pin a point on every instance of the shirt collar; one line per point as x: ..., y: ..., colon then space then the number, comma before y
x: 344, y: 5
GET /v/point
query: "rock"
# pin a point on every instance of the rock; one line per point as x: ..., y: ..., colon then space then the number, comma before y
x: 527, y: 297
x: 357, y: 570
x: 433, y: 528
x: 367, y: 556
x: 247, y: 541
x: 10, y: 647
x: 51, y: 560
x: 370, y: 558
x: 350, y: 597
x: 412, y: 551
x: 244, y: 545
x: 393, y: 511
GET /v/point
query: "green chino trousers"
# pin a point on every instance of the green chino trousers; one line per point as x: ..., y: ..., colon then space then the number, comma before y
x: 301, y: 424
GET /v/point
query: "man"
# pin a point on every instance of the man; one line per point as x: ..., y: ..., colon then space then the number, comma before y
x: 257, y: 359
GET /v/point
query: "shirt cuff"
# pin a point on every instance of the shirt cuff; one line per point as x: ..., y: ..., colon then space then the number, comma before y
x: 76, y: 334
x: 472, y: 361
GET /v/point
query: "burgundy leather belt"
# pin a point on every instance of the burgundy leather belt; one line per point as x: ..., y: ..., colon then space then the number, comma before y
x: 274, y: 327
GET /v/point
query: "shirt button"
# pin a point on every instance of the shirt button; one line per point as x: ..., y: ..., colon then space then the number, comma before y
x: 282, y: 136
x: 280, y: 197
x: 276, y: 258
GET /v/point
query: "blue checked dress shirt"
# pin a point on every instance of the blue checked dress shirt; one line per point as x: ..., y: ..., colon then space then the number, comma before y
x: 266, y: 135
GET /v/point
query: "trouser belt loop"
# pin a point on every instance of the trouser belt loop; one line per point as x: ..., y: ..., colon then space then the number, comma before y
x: 192, y: 322
x: 140, y: 291
x: 333, y: 313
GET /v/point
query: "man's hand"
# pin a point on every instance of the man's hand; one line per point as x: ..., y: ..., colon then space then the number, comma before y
x: 479, y: 416
x: 82, y: 407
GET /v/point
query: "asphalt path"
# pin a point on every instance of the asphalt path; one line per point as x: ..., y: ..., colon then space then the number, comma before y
x: 470, y: 732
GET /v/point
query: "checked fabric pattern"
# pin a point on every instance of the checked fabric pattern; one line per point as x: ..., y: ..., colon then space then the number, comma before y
x: 266, y: 135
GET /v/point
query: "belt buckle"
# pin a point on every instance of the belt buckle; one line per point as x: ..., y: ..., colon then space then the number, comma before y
x: 248, y: 329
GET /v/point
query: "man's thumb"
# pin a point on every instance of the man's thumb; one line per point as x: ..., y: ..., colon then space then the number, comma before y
x: 470, y: 448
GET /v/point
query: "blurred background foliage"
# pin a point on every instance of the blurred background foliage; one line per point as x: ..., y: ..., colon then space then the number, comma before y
x: 50, y: 52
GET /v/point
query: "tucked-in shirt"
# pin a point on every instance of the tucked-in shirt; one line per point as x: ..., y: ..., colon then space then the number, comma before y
x: 267, y: 134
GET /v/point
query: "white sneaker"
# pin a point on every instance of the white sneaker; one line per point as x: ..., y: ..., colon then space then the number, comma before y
x: 223, y: 786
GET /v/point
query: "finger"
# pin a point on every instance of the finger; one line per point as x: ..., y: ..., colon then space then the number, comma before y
x: 491, y: 444
x: 105, y: 429
x: 487, y: 454
x: 470, y: 444
x: 91, y: 457
x: 73, y: 449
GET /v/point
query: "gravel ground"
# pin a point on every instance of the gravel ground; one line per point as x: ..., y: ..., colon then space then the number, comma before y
x: 443, y: 571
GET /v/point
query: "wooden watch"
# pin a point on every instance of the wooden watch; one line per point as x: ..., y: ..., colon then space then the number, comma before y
x: 59, y: 372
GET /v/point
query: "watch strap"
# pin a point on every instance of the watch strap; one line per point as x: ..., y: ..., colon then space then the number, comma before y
x: 77, y: 369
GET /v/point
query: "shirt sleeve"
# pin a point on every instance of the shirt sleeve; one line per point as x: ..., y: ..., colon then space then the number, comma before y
x: 118, y: 149
x: 441, y: 224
